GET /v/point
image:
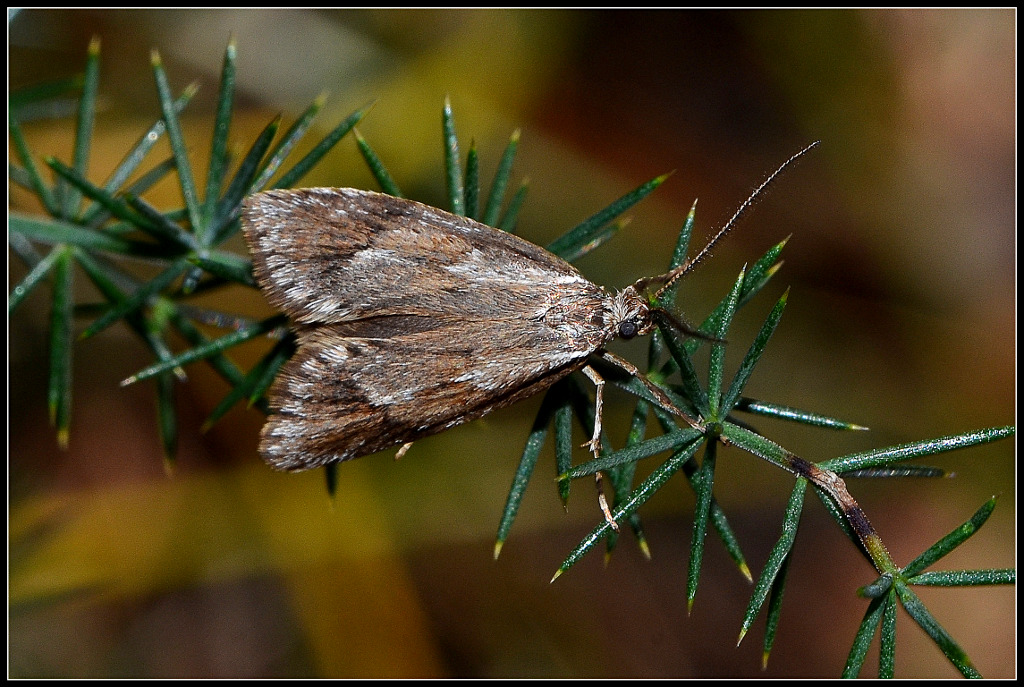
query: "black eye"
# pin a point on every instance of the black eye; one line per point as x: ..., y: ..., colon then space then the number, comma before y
x: 627, y: 329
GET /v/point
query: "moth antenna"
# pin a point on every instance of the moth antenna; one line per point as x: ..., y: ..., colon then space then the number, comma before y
x: 673, y: 276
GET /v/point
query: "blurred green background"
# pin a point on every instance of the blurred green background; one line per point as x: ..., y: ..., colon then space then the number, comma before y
x: 901, y: 317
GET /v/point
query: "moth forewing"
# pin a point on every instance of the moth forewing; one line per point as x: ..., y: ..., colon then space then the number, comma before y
x: 342, y: 397
x: 331, y: 255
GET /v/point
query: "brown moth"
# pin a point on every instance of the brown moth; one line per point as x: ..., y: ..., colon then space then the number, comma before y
x: 411, y: 320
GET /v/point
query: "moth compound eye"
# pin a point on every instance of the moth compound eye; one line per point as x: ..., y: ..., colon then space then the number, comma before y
x: 628, y: 329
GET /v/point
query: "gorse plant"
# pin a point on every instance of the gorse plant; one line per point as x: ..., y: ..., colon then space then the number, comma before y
x: 97, y: 226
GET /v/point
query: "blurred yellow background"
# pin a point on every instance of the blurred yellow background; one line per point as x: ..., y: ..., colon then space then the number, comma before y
x: 901, y: 317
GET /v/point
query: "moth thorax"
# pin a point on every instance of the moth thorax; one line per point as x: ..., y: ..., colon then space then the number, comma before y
x: 630, y: 314
x: 580, y: 315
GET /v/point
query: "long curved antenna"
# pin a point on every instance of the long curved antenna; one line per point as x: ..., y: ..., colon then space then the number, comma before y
x: 671, y: 277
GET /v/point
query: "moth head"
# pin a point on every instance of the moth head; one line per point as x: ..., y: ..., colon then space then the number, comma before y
x: 638, y: 311
x: 631, y: 314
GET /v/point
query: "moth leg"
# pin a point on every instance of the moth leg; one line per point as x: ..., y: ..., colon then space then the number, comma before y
x: 595, y: 442
x: 663, y: 400
x: 603, y: 502
x: 402, y: 450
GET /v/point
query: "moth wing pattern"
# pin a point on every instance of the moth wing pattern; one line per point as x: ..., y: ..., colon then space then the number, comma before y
x: 410, y: 320
x: 326, y: 255
x: 341, y: 397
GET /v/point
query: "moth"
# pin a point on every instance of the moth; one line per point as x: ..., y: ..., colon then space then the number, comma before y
x: 411, y: 320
